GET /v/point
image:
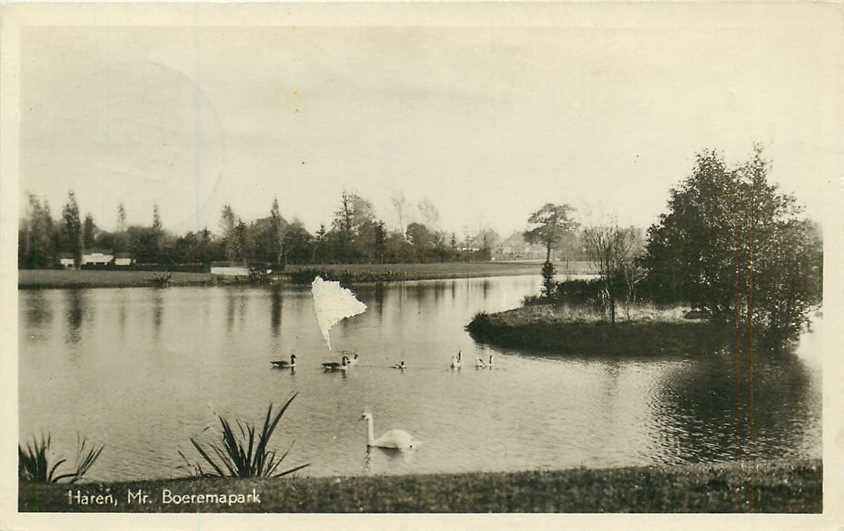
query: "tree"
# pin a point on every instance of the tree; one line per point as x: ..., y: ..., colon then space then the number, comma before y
x: 612, y: 249
x: 428, y: 212
x: 550, y: 223
x: 89, y: 230
x: 276, y: 232
x: 72, y: 228
x: 421, y: 238
x: 380, y: 241
x: 732, y: 245
x: 121, y: 239
x: 399, y: 204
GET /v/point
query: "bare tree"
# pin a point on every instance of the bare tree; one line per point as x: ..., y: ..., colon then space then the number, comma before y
x: 399, y: 204
x: 613, y: 249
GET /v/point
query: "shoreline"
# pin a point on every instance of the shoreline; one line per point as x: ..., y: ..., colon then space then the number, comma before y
x: 30, y: 279
x: 790, y: 486
x: 563, y: 331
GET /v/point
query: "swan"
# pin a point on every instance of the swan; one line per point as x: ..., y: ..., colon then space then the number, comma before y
x: 391, y: 439
x: 401, y: 365
x: 341, y: 365
x: 281, y: 364
x: 479, y: 364
x: 457, y: 362
x: 491, y: 362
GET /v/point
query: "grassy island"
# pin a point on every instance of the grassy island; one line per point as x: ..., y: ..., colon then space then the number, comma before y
x: 568, y: 330
x: 787, y: 487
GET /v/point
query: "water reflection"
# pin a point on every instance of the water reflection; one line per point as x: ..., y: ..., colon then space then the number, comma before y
x: 38, y: 310
x: 74, y: 312
x: 157, y: 310
x: 701, y: 411
x: 276, y: 301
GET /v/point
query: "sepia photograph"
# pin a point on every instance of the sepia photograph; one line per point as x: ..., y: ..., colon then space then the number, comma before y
x: 489, y: 258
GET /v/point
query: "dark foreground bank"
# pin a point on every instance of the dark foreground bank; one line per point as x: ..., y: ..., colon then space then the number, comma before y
x: 787, y: 487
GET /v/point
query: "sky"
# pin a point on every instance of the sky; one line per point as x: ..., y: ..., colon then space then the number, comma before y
x: 487, y: 123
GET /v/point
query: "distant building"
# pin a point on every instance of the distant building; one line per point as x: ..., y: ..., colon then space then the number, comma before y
x: 227, y: 269
x: 97, y: 258
x: 123, y: 260
x: 67, y: 261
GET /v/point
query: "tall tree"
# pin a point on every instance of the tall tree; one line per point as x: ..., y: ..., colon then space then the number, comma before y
x: 549, y: 224
x: 276, y: 232
x: 121, y: 239
x: 72, y: 228
x: 89, y: 230
x: 730, y: 243
x: 380, y: 241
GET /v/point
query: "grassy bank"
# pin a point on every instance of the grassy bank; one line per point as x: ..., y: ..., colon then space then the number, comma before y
x: 561, y: 329
x: 60, y: 278
x: 349, y: 273
x: 357, y: 273
x: 739, y: 487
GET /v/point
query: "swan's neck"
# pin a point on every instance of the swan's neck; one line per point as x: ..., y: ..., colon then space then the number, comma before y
x: 370, y: 433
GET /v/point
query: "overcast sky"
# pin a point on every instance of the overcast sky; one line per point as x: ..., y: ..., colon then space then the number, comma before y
x: 487, y: 123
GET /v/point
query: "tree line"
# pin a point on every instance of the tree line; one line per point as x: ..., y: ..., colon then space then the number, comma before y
x: 355, y: 234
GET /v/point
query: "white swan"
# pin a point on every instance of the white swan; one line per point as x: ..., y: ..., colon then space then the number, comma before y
x: 491, y: 362
x: 479, y: 364
x: 391, y: 439
x: 457, y: 362
x: 401, y: 365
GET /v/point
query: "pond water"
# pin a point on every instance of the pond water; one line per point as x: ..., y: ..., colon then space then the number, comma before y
x: 144, y: 370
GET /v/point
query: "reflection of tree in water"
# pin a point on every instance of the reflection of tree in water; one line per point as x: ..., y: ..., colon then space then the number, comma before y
x: 230, y: 302
x: 276, y: 302
x: 37, y: 311
x: 485, y: 284
x: 703, y: 415
x: 157, y: 310
x: 75, y: 300
x: 379, y: 300
x: 121, y: 312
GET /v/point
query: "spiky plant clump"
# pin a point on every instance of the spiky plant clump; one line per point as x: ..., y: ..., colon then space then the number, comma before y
x: 242, y: 454
x: 34, y: 461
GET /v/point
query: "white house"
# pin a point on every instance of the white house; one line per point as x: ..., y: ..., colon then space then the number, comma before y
x: 66, y: 262
x: 230, y: 270
x: 123, y: 259
x: 97, y: 258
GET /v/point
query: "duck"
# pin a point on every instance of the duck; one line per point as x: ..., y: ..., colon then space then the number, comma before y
x: 341, y: 365
x: 480, y: 364
x: 401, y: 365
x: 281, y: 364
x: 393, y: 439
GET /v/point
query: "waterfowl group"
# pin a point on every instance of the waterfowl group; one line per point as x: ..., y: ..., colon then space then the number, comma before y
x: 481, y: 364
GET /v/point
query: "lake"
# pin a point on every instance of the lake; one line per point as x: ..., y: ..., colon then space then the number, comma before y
x: 144, y: 370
